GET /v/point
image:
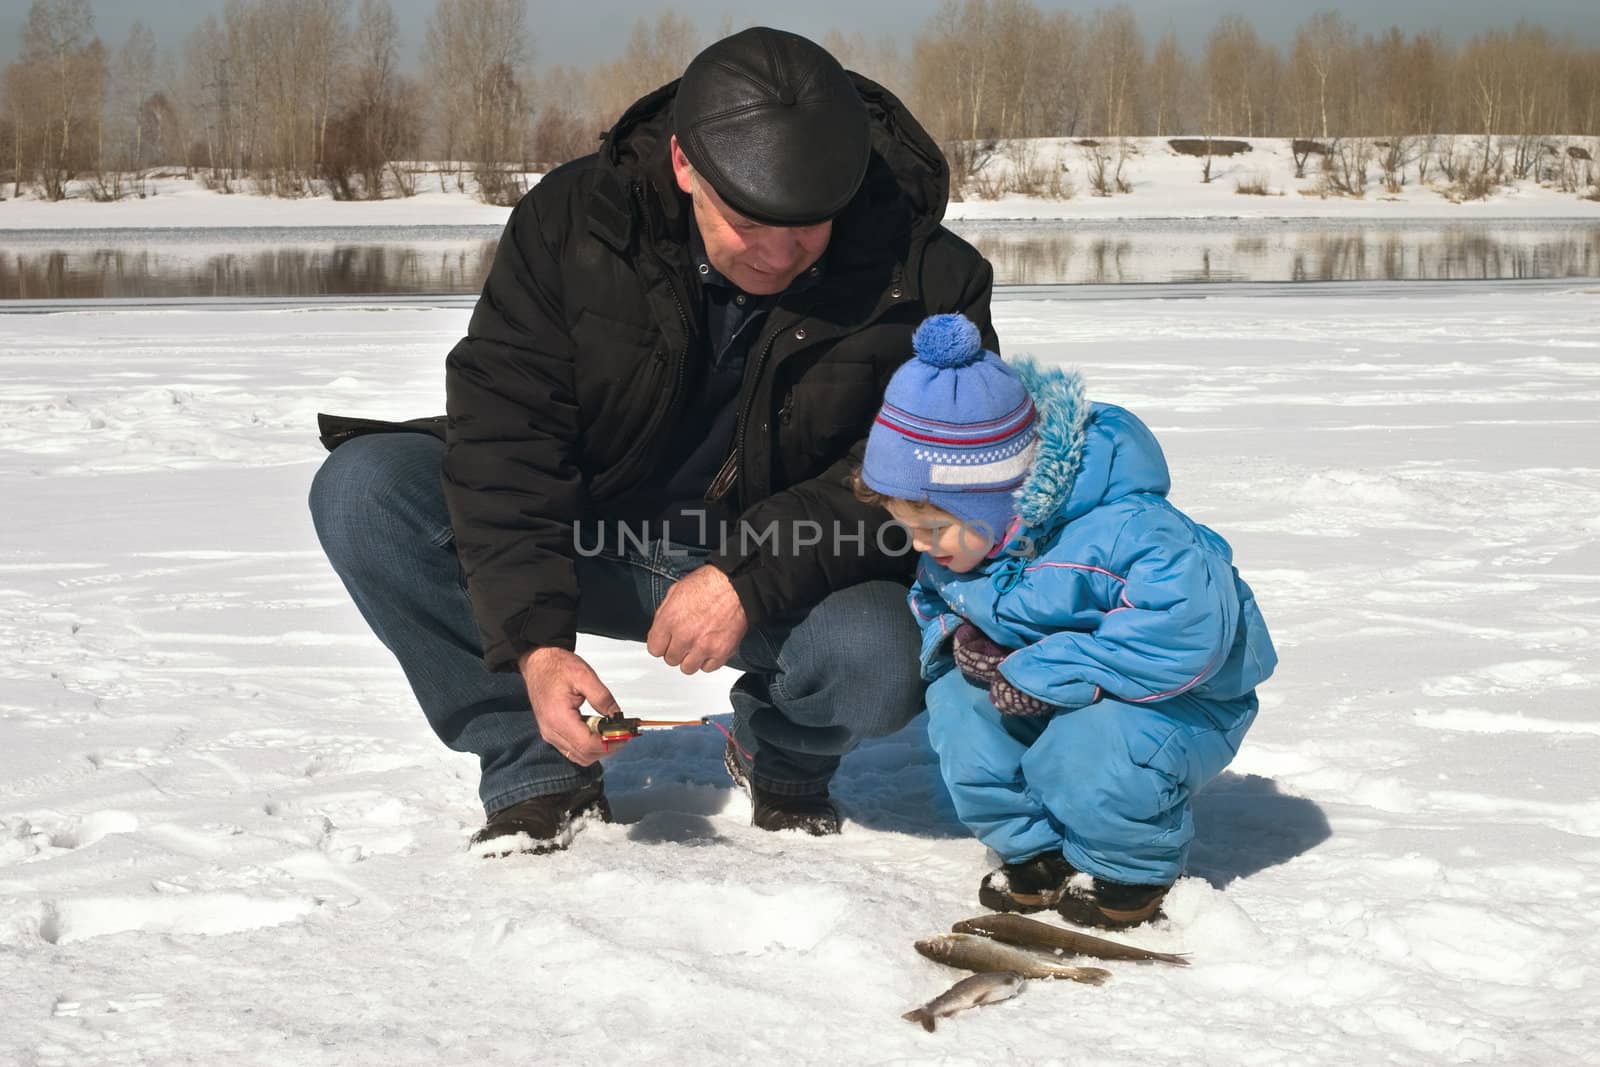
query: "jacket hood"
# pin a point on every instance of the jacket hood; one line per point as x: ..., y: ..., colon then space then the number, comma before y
x: 1088, y: 454
x: 906, y: 188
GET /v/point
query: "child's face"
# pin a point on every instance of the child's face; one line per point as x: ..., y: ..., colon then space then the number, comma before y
x: 941, y: 535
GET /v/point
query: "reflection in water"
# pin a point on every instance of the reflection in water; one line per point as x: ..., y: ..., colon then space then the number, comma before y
x: 138, y: 264
x: 1178, y: 250
x: 134, y: 264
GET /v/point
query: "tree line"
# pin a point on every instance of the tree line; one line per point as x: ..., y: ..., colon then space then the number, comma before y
x: 292, y: 97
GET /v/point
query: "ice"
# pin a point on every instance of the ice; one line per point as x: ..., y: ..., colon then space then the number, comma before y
x: 227, y: 836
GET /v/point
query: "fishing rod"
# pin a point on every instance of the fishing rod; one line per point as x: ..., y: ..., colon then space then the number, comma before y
x: 619, y: 728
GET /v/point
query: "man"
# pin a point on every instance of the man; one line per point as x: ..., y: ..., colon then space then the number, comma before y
x: 687, y: 332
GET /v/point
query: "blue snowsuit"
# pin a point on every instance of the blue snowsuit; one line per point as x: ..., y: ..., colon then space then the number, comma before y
x: 1125, y: 613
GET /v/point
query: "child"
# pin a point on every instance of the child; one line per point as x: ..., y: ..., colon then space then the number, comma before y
x: 1093, y: 653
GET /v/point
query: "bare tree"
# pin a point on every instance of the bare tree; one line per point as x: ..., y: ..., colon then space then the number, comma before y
x: 1322, y: 49
x: 1016, y: 27
x: 847, y: 49
x: 1532, y: 93
x: 1483, y: 72
x: 987, y: 71
x: 1062, y: 76
x: 325, y: 25
x: 1584, y: 93
x: 474, y: 53
x: 1344, y: 168
x: 445, y: 60
x: 1386, y: 59
x: 8, y: 143
x: 567, y: 126
x: 1210, y: 122
x: 8, y: 126
x: 284, y: 68
x: 878, y: 59
x: 953, y: 72
x: 66, y: 65
x: 1169, y: 79
x: 377, y: 125
x: 288, y: 93
x: 1104, y: 161
x: 1413, y: 85
x: 24, y: 102
x: 1117, y: 60
x: 227, y: 71
x: 207, y: 91
x: 656, y: 53
x: 128, y: 111
x: 1236, y: 64
x: 297, y: 56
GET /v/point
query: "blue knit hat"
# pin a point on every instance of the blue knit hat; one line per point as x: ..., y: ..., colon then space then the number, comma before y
x: 956, y: 429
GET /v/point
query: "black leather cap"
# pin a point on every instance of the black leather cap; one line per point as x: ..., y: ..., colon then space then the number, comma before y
x: 772, y: 121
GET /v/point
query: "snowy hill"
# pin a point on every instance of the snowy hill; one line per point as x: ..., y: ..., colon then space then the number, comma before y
x: 1163, y: 180
x: 1162, y: 183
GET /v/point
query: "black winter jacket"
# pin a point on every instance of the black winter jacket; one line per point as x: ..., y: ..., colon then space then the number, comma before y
x: 574, y: 368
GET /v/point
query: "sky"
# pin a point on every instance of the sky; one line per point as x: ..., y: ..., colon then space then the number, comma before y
x: 595, y: 30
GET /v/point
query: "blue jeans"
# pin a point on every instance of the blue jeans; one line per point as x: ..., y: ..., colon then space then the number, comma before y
x: 815, y: 685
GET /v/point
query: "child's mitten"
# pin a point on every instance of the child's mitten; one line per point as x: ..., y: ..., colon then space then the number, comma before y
x: 1009, y: 700
x: 977, y: 657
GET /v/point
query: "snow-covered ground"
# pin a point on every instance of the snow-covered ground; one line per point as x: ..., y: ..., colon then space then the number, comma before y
x: 227, y: 836
x: 1164, y: 184
x: 186, y: 203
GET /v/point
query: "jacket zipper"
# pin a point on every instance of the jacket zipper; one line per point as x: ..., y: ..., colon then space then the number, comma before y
x: 729, y: 472
x: 728, y: 476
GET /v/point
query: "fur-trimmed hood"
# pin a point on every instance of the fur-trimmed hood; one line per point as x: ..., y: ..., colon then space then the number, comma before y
x: 1088, y: 454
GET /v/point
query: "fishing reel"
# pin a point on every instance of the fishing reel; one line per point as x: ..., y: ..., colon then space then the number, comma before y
x: 618, y: 728
x: 613, y: 730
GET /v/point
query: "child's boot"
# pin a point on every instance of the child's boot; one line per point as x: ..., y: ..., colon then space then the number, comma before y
x: 1033, y: 884
x: 1112, y: 905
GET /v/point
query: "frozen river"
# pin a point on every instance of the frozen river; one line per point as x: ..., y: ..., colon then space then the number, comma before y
x: 444, y: 260
x: 227, y: 836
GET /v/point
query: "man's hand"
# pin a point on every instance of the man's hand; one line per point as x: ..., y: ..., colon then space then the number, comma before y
x: 558, y: 683
x: 700, y: 623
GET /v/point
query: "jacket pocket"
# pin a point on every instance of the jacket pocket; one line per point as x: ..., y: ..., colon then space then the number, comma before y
x: 619, y: 380
x: 820, y: 416
x: 835, y: 396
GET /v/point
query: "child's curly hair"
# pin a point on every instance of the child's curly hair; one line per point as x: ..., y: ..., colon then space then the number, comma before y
x: 865, y: 493
x: 868, y: 495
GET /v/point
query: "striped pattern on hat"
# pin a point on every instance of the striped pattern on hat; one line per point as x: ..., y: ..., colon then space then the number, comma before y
x: 956, y: 429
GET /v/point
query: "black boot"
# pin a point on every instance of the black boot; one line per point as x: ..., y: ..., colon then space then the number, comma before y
x: 1029, y: 885
x: 541, y: 824
x: 813, y: 813
x: 1112, y: 905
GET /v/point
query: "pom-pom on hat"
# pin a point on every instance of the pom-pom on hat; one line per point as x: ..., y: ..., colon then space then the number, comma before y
x: 956, y: 429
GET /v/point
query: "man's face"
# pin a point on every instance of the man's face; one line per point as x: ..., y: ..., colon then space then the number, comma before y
x: 760, y: 260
